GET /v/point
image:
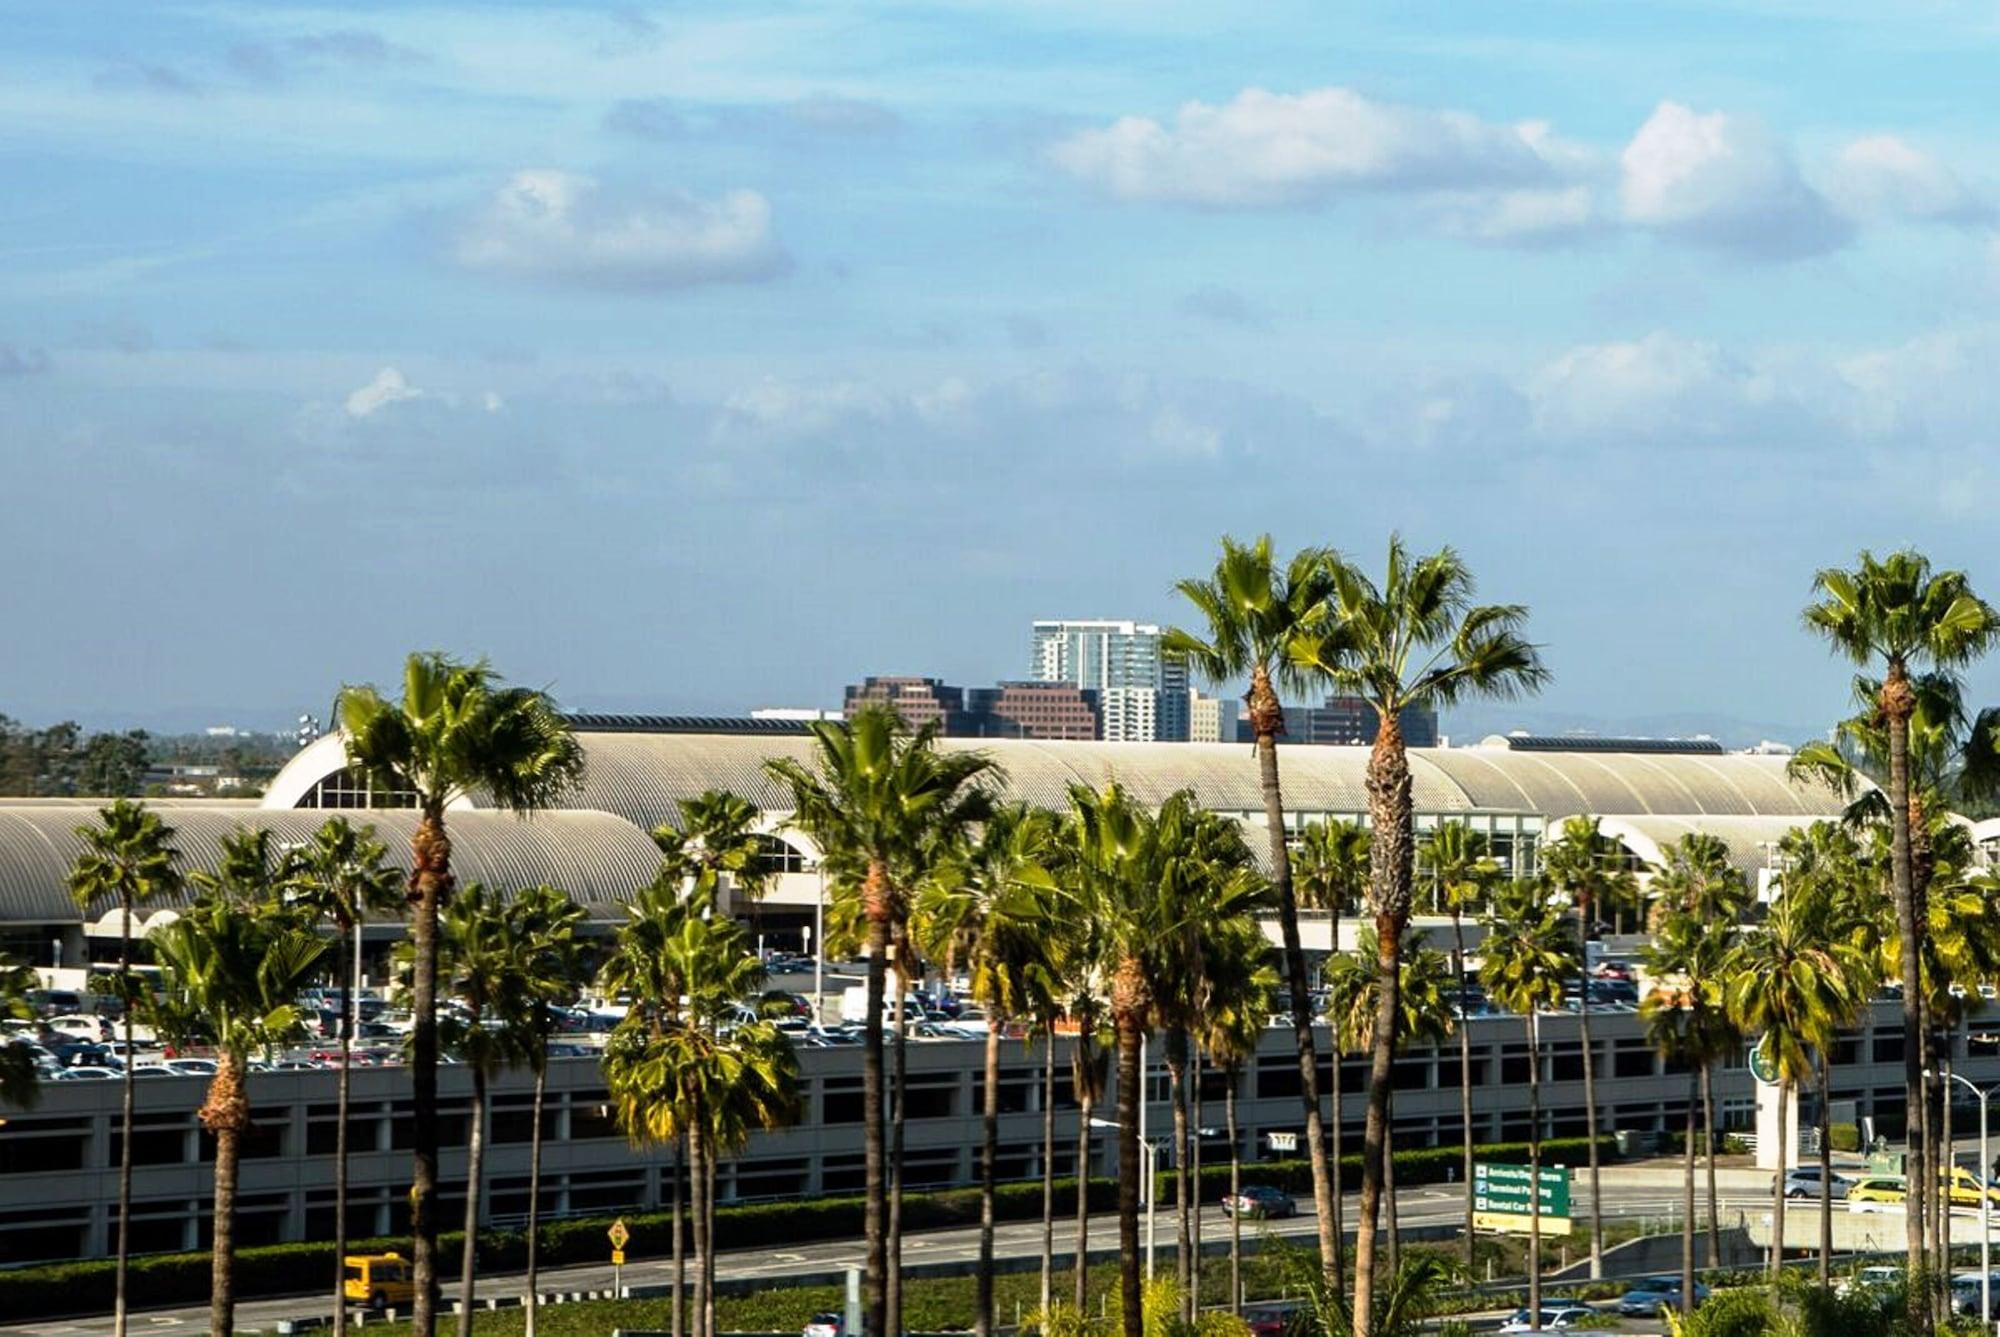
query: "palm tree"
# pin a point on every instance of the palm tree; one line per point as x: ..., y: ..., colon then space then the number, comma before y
x: 545, y: 922
x: 988, y: 910
x: 1591, y: 868
x: 484, y: 964
x: 1424, y: 1016
x: 1332, y: 876
x: 1241, y: 982
x: 1899, y: 611
x: 236, y: 967
x: 1462, y: 873
x: 129, y: 857
x: 1081, y: 993
x: 340, y: 880
x: 1686, y: 1022
x: 718, y: 844
x: 1251, y: 611
x: 1697, y: 881
x: 1792, y: 980
x: 18, y: 1078
x: 456, y: 731
x: 1416, y: 641
x: 1527, y: 957
x: 881, y: 804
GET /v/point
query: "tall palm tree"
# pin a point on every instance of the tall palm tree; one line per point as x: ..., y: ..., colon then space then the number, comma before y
x: 1424, y: 1016
x: 1525, y: 960
x: 545, y: 923
x: 1697, y: 881
x: 483, y: 963
x: 1462, y: 873
x: 1417, y: 640
x: 881, y: 803
x: 1899, y: 611
x: 340, y: 881
x: 235, y: 968
x: 1081, y: 996
x: 1251, y: 609
x: 1332, y: 874
x: 18, y: 1078
x: 1792, y: 980
x: 718, y: 846
x: 1591, y: 868
x: 1241, y: 984
x: 1685, y: 1020
x: 457, y: 731
x: 988, y: 911
x: 129, y: 858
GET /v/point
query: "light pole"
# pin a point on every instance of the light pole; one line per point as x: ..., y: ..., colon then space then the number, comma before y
x: 1148, y: 1153
x: 819, y: 946
x: 1985, y: 1200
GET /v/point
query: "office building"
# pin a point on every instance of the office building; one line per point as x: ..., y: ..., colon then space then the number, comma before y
x: 1214, y: 719
x: 1057, y: 710
x: 919, y: 701
x: 1142, y: 696
x: 1348, y: 721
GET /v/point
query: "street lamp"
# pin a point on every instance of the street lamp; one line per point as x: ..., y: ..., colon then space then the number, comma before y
x: 1985, y: 1199
x: 1149, y: 1158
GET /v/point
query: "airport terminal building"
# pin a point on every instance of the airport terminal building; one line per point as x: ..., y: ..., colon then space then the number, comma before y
x: 58, y: 1163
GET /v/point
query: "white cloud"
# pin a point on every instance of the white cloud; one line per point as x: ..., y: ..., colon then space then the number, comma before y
x: 1658, y: 387
x: 1523, y: 217
x: 1264, y: 149
x: 1723, y: 182
x: 388, y: 387
x: 564, y: 227
x: 492, y: 402
x: 1883, y: 177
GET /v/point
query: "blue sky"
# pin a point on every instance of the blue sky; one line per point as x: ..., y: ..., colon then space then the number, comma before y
x: 709, y: 356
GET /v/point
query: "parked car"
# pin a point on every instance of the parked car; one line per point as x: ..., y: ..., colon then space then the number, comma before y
x: 1803, y: 1182
x: 1876, y: 1193
x: 826, y: 1325
x: 1654, y: 1294
x: 192, y: 1067
x: 87, y: 1074
x: 1270, y: 1320
x: 1257, y: 1202
x: 1965, y: 1291
x: 1871, y: 1278
x: 1553, y: 1316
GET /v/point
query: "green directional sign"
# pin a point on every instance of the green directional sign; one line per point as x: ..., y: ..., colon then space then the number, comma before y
x: 1502, y: 1191
x: 1764, y: 1063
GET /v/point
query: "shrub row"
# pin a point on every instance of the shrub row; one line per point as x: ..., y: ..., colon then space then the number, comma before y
x: 279, y: 1269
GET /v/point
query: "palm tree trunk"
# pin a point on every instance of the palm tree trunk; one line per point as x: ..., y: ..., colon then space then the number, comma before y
x: 1687, y: 1204
x: 535, y: 1189
x: 1080, y: 1268
x: 1183, y: 1227
x: 1235, y: 1187
x: 1267, y: 719
x: 1945, y: 1151
x: 345, y: 933
x: 128, y: 1080
x: 875, y: 1300
x: 430, y: 882
x: 1583, y: 915
x: 1391, y: 848
x: 1464, y: 1072
x: 1825, y: 1177
x: 1534, y: 1173
x: 898, y: 1057
x: 1129, y: 1080
x: 1048, y: 1167
x: 1778, y: 1183
x: 1195, y: 1194
x: 680, y: 1291
x: 1708, y: 1138
x: 226, y: 1114
x: 989, y: 1155
x: 710, y: 1162
x: 475, y: 1168
x: 1897, y: 700
x: 1389, y: 1195
x: 698, y: 1209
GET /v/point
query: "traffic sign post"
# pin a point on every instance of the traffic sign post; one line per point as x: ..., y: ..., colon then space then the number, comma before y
x: 619, y: 1237
x: 1500, y: 1199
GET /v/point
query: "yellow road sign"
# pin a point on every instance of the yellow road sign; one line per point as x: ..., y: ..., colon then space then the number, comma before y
x: 617, y: 1258
x: 1509, y: 1223
x: 618, y: 1234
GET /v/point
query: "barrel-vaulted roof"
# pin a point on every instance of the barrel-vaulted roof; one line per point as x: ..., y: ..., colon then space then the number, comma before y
x: 641, y: 776
x: 597, y: 857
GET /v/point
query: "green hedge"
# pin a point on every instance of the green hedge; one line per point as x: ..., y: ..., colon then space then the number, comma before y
x: 280, y: 1269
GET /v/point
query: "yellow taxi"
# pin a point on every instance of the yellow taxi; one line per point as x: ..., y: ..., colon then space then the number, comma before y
x: 379, y: 1280
x: 1965, y: 1187
x: 1876, y: 1193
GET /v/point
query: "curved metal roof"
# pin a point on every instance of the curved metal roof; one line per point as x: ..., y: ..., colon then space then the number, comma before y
x: 599, y: 858
x: 642, y: 776
x: 1748, y: 838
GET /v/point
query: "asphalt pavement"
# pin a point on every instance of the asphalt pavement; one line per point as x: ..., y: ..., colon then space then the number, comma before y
x: 1428, y: 1205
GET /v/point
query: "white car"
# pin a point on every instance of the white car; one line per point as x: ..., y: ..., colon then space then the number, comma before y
x: 1553, y: 1316
x: 87, y: 1074
x: 191, y: 1067
x: 78, y: 1025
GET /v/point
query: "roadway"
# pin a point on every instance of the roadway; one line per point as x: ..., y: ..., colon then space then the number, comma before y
x: 1423, y: 1206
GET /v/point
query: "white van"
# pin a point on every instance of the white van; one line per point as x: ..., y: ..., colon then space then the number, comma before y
x: 854, y: 1006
